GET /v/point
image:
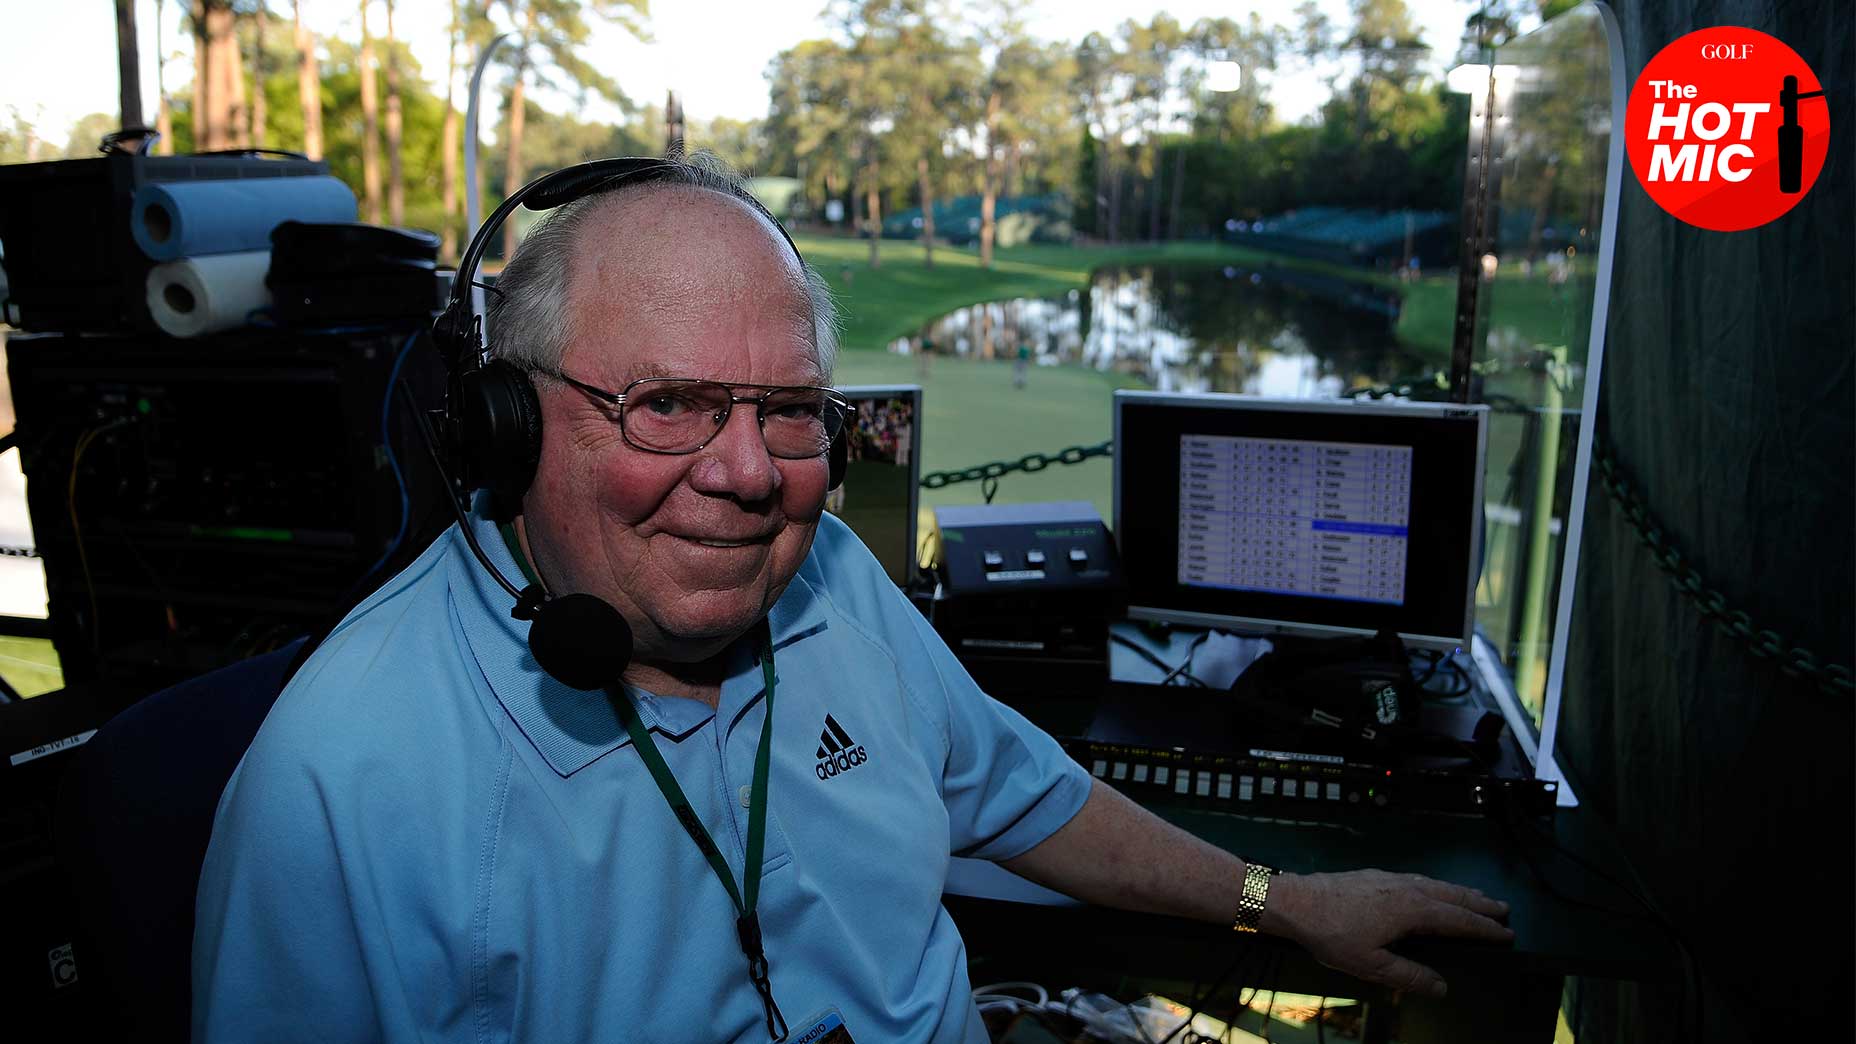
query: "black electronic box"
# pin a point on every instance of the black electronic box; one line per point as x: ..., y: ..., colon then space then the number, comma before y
x: 1027, y: 592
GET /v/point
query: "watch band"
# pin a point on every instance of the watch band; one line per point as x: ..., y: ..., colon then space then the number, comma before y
x: 1256, y: 894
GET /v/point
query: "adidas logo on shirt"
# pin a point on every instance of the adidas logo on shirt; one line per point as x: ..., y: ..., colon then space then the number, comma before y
x: 837, y: 752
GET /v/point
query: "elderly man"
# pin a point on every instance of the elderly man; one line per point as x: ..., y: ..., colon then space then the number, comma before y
x: 431, y: 839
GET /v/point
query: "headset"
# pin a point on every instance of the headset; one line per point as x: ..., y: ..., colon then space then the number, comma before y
x: 491, y: 426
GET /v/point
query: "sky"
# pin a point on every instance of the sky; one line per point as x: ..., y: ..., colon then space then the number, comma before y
x: 58, y: 59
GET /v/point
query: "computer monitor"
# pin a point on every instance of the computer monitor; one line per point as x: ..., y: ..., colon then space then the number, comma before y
x: 1323, y: 518
x: 879, y: 496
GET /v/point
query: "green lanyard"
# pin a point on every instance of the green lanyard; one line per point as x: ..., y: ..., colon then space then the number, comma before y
x: 747, y: 921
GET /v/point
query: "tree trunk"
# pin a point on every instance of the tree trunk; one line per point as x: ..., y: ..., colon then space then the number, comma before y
x: 513, y: 171
x: 164, y: 123
x: 396, y: 183
x: 1158, y: 182
x: 873, y: 210
x: 989, y: 181
x: 1114, y: 197
x: 921, y: 178
x: 1179, y: 190
x: 128, y: 64
x: 202, y: 83
x: 229, y: 92
x: 219, y: 90
x: 370, y: 125
x: 308, y: 87
x: 448, y: 145
x: 258, y: 113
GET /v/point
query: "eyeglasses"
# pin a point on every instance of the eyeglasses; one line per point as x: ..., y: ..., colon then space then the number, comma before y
x: 676, y: 415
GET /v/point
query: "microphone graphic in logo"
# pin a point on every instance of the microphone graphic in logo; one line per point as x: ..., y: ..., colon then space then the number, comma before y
x: 1791, y: 136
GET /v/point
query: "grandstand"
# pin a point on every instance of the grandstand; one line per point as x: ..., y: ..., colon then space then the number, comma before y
x: 1019, y: 219
x: 1348, y: 236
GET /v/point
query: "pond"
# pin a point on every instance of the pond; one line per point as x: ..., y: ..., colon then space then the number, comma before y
x: 1271, y: 331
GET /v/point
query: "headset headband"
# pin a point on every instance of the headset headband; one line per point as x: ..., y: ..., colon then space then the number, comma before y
x: 457, y: 329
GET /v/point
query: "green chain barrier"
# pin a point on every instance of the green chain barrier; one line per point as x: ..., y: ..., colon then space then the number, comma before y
x: 1796, y: 661
x: 990, y: 473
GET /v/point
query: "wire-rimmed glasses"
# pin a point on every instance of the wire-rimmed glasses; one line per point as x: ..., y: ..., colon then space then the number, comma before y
x: 675, y: 415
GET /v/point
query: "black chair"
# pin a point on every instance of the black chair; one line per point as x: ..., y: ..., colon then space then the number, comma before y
x: 135, y: 813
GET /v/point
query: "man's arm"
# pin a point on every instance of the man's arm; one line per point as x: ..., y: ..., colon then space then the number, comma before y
x: 1116, y: 853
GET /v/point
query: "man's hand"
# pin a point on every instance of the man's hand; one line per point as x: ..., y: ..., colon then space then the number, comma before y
x: 1347, y: 920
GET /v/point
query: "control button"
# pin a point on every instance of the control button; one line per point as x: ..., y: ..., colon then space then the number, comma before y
x: 1140, y: 773
x: 1246, y: 788
x: 1290, y: 786
x: 994, y: 560
x: 1380, y: 800
x: 1034, y: 559
x: 1204, y: 788
x: 1121, y: 770
x: 1269, y: 785
x: 1311, y: 790
x: 1224, y: 786
x: 1333, y: 791
x: 1182, y: 783
x: 1079, y: 557
x: 1353, y: 797
x: 1160, y: 775
x: 1100, y: 768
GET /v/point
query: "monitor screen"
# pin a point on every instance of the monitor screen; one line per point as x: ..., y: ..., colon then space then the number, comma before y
x: 1322, y: 518
x: 878, y: 498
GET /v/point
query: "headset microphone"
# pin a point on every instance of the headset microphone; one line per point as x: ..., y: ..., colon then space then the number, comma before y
x: 492, y: 422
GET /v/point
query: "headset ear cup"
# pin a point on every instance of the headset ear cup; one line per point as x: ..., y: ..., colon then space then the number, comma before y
x: 840, y: 457
x: 499, y: 428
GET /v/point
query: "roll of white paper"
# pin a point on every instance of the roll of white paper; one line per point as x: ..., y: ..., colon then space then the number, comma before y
x: 200, y: 295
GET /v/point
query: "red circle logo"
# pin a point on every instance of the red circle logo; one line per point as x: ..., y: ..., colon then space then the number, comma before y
x: 1727, y: 128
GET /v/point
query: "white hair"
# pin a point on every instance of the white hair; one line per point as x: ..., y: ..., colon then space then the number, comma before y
x: 528, y: 314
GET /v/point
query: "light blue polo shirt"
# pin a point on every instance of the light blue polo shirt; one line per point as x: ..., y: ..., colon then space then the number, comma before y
x: 430, y: 839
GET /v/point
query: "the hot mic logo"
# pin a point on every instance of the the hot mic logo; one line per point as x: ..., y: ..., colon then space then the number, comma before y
x: 1727, y: 128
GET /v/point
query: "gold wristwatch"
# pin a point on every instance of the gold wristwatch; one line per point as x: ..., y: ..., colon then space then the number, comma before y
x: 1256, y: 893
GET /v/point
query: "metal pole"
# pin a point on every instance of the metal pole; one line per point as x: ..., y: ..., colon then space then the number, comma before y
x: 472, y: 206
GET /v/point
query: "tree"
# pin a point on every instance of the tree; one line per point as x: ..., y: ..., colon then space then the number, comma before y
x: 370, y: 121
x: 128, y: 65
x: 1028, y: 116
x: 396, y: 185
x: 551, y: 35
x: 87, y: 133
x: 308, y: 86
x: 164, y: 125
x: 219, y: 81
x: 809, y: 129
x: 448, y: 147
x: 260, y: 18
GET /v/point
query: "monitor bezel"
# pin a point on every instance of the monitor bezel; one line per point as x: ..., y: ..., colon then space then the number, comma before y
x: 1400, y: 408
x: 912, y: 392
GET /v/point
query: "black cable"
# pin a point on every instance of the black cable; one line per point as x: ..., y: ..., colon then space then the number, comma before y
x: 1184, y: 669
x: 1198, y: 1003
x: 1691, y: 964
x: 1150, y: 657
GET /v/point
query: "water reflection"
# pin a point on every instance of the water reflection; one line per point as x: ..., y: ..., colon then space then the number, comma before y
x: 1193, y: 328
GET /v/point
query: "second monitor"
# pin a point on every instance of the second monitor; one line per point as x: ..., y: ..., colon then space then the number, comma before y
x: 879, y: 497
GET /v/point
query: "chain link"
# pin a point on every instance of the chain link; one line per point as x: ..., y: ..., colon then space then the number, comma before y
x: 19, y: 552
x: 993, y: 471
x: 1794, y: 661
